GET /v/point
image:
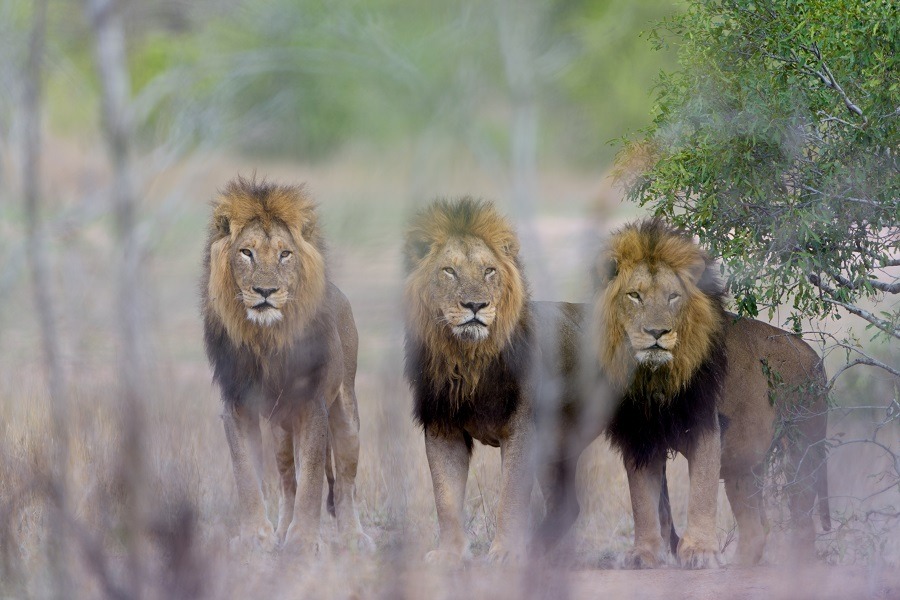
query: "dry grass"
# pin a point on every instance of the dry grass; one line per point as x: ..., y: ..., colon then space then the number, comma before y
x: 187, y: 499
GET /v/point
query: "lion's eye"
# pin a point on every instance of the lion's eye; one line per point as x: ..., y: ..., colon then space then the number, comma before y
x: 247, y: 252
x: 489, y: 271
x: 634, y: 296
x: 674, y: 296
x: 449, y: 271
x: 285, y: 254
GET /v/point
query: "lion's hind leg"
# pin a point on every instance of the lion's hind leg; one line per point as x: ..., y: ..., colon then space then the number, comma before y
x: 343, y: 421
x: 745, y: 497
x: 284, y: 458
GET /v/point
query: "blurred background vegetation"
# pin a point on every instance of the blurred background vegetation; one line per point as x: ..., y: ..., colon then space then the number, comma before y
x: 303, y: 79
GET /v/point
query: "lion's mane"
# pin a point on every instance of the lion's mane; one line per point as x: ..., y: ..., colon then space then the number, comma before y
x: 244, y: 201
x: 451, y: 361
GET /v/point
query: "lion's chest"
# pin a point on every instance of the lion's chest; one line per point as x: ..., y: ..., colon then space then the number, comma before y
x: 489, y: 434
x: 484, y: 413
x: 278, y: 383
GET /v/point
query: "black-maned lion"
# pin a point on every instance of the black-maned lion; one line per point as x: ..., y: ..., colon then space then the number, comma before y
x: 282, y: 342
x: 485, y: 363
x: 698, y: 380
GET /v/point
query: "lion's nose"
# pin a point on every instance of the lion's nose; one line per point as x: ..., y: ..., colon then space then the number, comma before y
x: 265, y: 292
x: 657, y: 333
x: 473, y: 306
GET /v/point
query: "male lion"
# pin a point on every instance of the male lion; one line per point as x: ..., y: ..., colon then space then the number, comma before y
x: 282, y: 342
x: 486, y: 364
x: 703, y: 382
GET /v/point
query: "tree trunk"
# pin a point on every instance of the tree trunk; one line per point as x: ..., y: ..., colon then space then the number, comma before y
x: 43, y: 298
x: 105, y: 18
x: 518, y: 25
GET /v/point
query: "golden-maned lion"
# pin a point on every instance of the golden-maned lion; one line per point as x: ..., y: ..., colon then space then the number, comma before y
x: 703, y: 382
x: 282, y: 342
x: 485, y: 363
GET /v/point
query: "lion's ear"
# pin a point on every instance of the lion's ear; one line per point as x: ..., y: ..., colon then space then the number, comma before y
x: 604, y: 270
x: 415, y: 250
x: 223, y: 225
x: 511, y: 247
x: 696, y: 269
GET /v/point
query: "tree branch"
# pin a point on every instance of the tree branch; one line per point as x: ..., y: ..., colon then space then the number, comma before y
x: 881, y: 324
x: 828, y: 79
x: 891, y: 288
x: 866, y: 360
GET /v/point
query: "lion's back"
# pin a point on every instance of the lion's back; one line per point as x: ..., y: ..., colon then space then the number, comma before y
x: 771, y: 374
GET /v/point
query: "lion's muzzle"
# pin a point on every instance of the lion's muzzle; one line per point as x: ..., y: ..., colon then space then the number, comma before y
x: 473, y: 321
x: 264, y: 305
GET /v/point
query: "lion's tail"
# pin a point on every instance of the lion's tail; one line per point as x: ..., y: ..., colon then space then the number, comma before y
x: 666, y: 522
x: 329, y: 474
x: 822, y: 493
x: 821, y: 435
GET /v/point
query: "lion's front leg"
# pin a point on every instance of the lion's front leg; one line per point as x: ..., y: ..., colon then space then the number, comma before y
x: 244, y: 441
x: 448, y: 459
x: 645, y: 487
x: 699, y: 548
x: 517, y: 479
x: 310, y: 435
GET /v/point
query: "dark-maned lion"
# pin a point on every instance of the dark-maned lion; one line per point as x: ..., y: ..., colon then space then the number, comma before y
x: 703, y: 382
x: 486, y: 364
x: 282, y: 342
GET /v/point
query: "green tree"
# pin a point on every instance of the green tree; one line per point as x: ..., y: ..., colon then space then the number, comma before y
x: 775, y: 142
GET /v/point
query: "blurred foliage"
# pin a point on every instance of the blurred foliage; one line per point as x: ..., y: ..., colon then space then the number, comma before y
x: 604, y: 88
x: 776, y: 141
x: 302, y: 78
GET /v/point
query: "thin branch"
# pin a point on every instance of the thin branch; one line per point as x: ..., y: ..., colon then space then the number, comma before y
x: 861, y: 361
x: 881, y: 324
x: 890, y: 288
x: 828, y: 79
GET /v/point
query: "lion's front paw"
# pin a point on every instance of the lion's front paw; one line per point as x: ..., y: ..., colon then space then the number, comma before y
x: 505, y: 553
x: 298, y: 541
x: 444, y: 556
x: 694, y: 554
x: 642, y: 557
x: 252, y: 538
x: 359, y: 541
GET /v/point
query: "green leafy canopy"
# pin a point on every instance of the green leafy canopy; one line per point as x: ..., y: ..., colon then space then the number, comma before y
x: 775, y: 142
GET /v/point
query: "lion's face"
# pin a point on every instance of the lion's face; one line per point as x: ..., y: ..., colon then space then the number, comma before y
x: 265, y: 270
x: 658, y: 310
x: 464, y: 288
x: 651, y: 305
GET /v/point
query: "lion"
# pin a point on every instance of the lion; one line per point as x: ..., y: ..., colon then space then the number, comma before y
x: 486, y: 363
x: 283, y: 344
x: 696, y: 379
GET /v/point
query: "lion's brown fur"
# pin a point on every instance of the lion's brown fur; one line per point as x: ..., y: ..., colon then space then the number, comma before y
x: 244, y: 201
x: 652, y: 243
x: 450, y: 360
